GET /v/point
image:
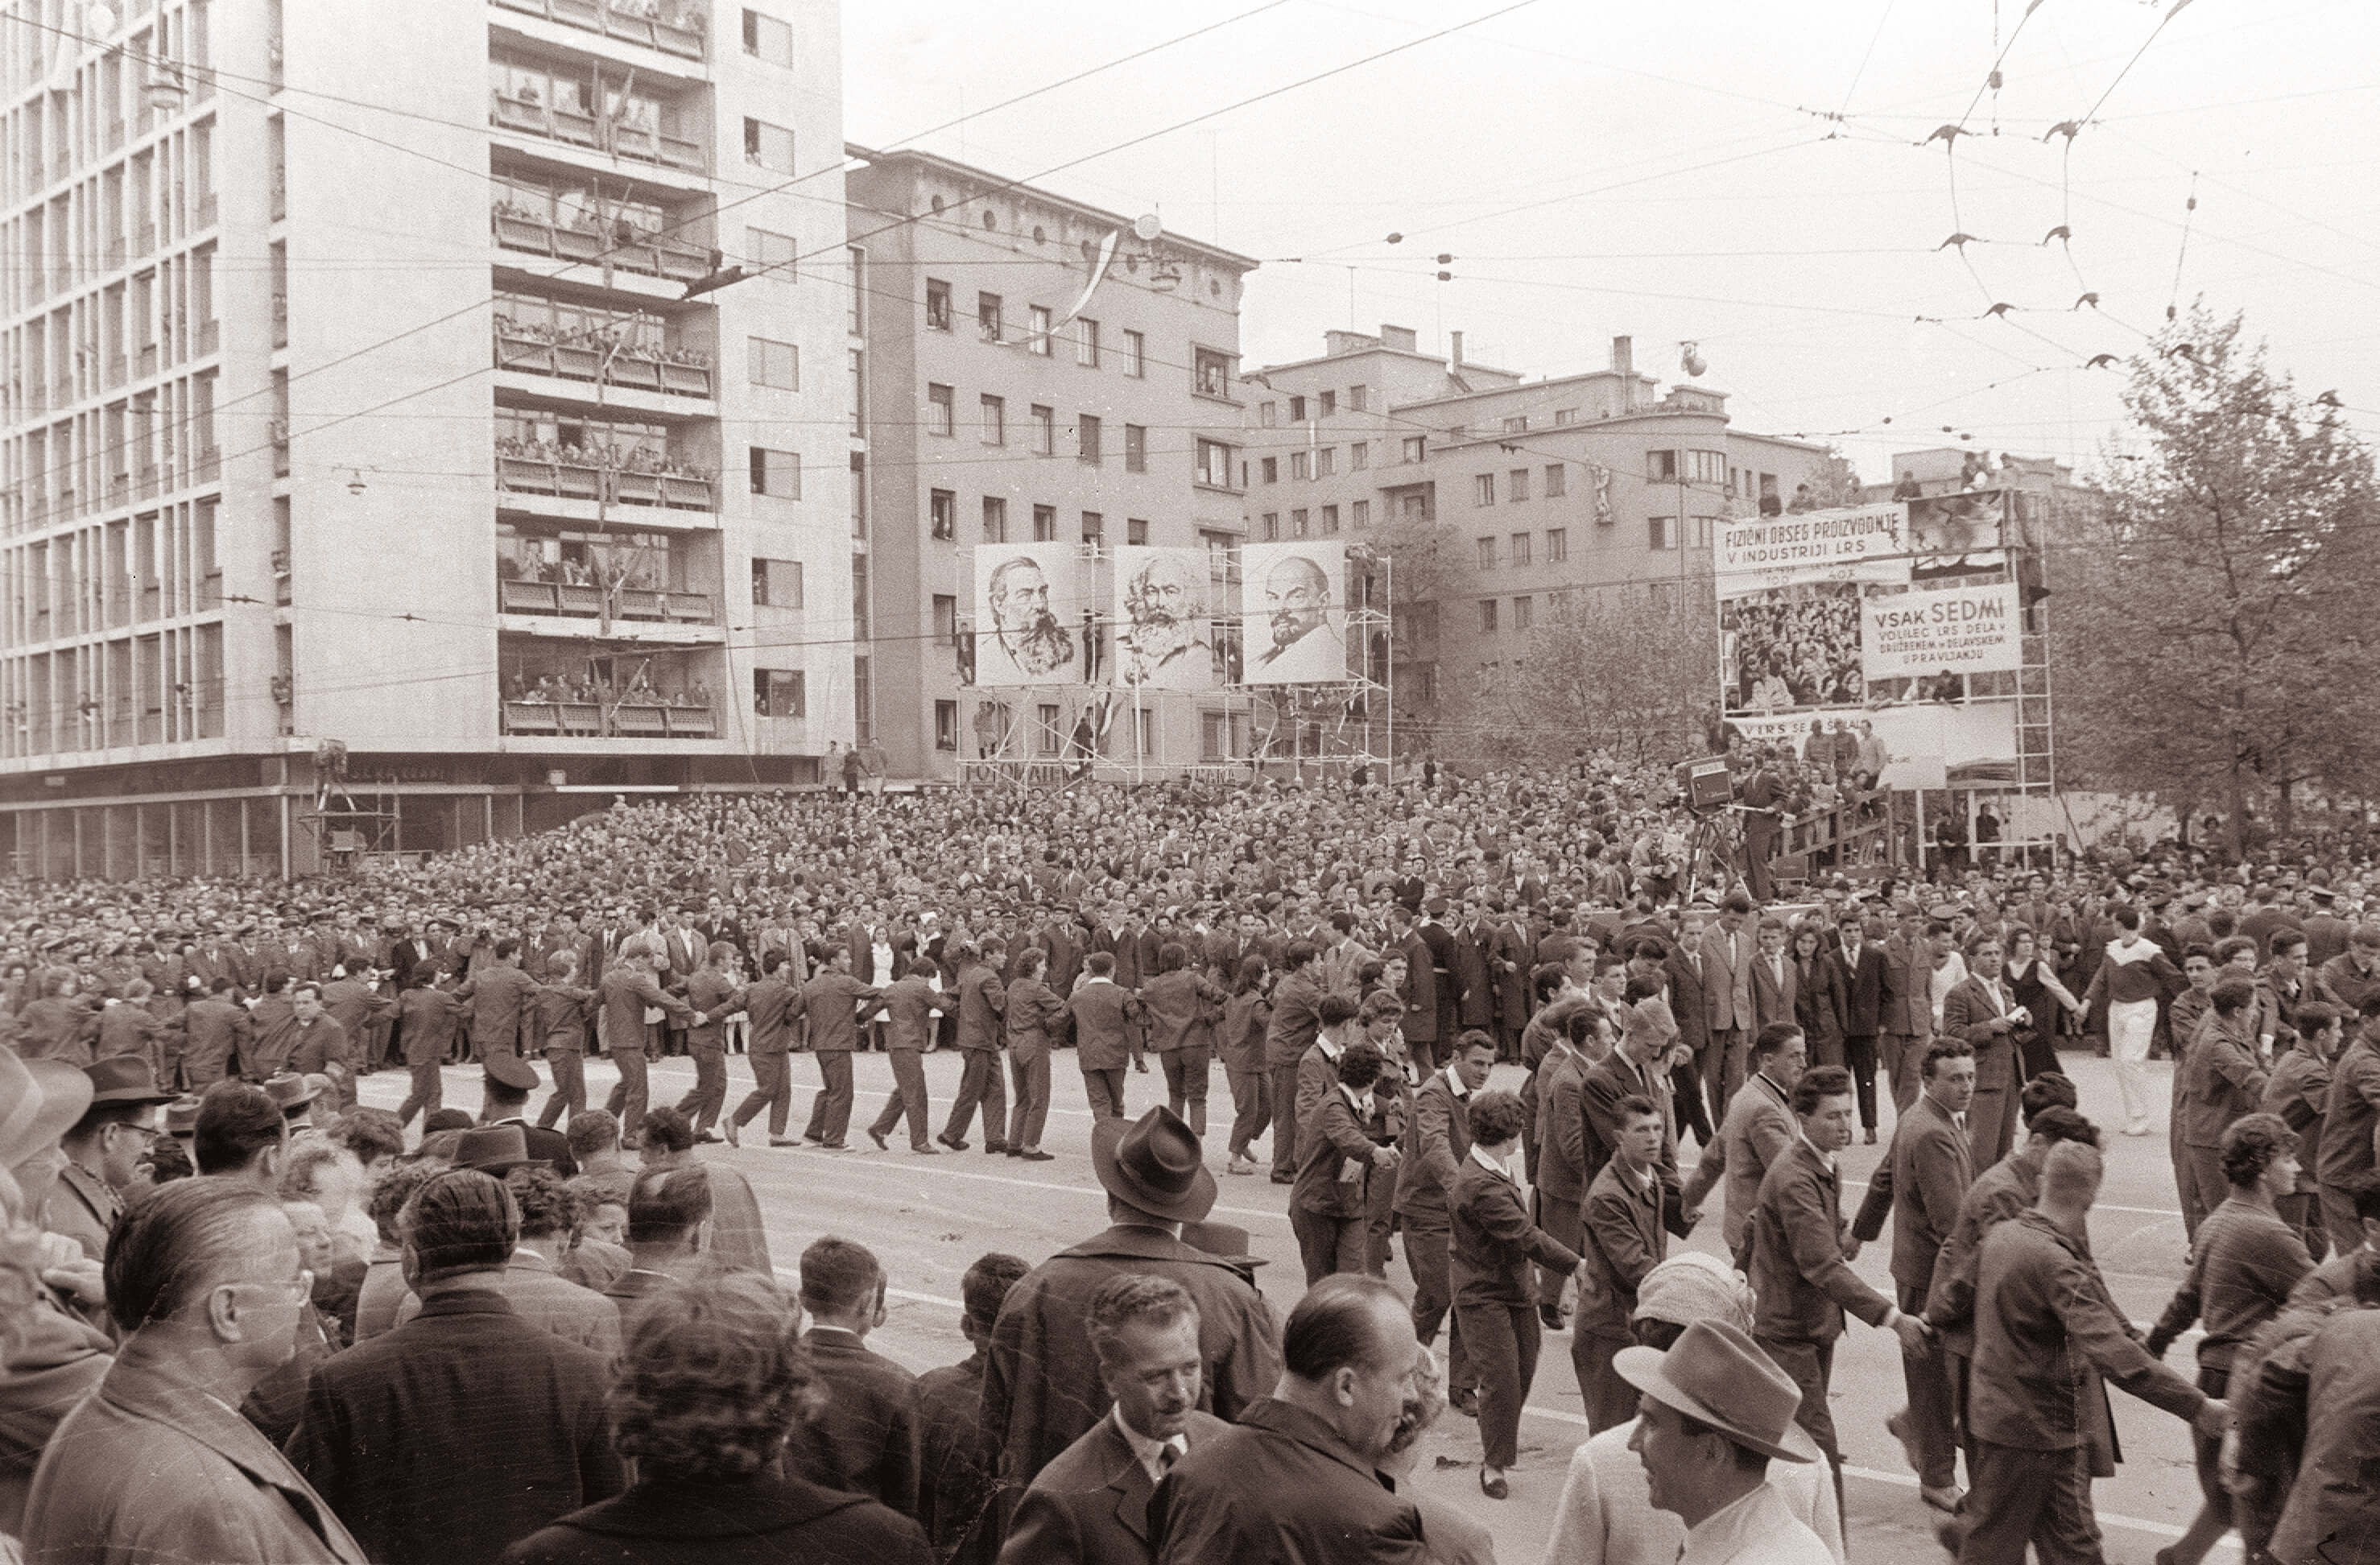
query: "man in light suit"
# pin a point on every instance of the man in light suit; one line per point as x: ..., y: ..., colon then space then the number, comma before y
x: 1727, y: 951
x: 1759, y: 1127
x: 1090, y: 1505
x: 1775, y: 985
x: 1980, y: 1009
x: 1905, y: 1015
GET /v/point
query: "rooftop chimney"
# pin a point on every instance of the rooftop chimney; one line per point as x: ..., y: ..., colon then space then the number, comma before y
x: 1624, y: 356
x: 1454, y: 349
x: 1398, y: 337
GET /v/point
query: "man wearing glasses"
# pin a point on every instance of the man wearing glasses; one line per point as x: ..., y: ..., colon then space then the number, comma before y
x: 102, y: 1151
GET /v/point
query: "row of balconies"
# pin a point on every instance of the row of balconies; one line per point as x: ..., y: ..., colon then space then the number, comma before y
x: 574, y: 475
x: 555, y: 122
x: 519, y: 229
x: 122, y: 489
x: 632, y: 365
x: 585, y: 600
x: 673, y: 29
x: 594, y: 720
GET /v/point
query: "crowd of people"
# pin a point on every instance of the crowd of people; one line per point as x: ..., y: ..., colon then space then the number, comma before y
x: 251, y: 1318
x: 1793, y: 647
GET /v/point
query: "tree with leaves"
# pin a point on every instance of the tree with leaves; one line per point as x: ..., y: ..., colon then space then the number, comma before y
x: 2209, y: 629
x: 1626, y: 668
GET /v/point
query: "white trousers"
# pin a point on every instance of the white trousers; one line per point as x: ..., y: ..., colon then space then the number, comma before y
x: 2130, y: 1025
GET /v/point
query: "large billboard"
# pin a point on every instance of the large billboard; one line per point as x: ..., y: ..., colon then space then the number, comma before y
x: 1858, y: 544
x: 1930, y: 745
x: 1028, y: 614
x: 1792, y: 647
x: 1293, y: 613
x: 1939, y: 630
x: 1163, y: 619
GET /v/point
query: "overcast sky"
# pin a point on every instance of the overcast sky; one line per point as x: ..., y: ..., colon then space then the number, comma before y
x: 1672, y: 169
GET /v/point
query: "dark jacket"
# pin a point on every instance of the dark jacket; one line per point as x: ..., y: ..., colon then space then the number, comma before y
x: 384, y: 1422
x: 833, y: 1003
x: 1863, y: 990
x: 1495, y: 1241
x: 957, y: 1467
x: 1282, y: 1490
x: 767, y: 1521
x: 1924, y: 1175
x: 1330, y: 1139
x: 1090, y: 1506
x: 1799, y: 1275
x: 1438, y: 1141
x: 865, y: 1440
x: 1102, y: 1011
x: 1622, y: 1241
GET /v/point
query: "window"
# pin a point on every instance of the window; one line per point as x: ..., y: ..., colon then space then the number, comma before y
x: 1297, y: 410
x: 771, y: 253
x: 1556, y: 545
x: 774, y: 364
x: 1329, y: 520
x: 1661, y: 466
x: 1046, y: 734
x: 1329, y: 402
x: 858, y: 285
x: 1660, y: 532
x: 942, y: 513
x: 1359, y: 455
x: 1299, y: 525
x: 1486, y: 554
x: 1557, y: 481
x: 1265, y: 412
x: 1359, y: 515
x: 766, y: 37
x: 1565, y: 415
x: 1524, y: 610
x: 946, y: 620
x: 1326, y: 461
x: 1045, y: 431
x: 776, y: 583
x: 777, y: 474
x: 1487, y: 616
x: 858, y: 392
x: 938, y: 304
x: 1214, y: 465
x: 1135, y: 449
x: 1272, y: 526
x: 770, y: 146
x: 1136, y: 531
x: 1359, y: 399
x: 1037, y: 329
x: 1045, y: 524
x: 859, y: 598
x: 1271, y: 467
x: 987, y: 317
x: 1135, y: 356
x: 1520, y: 548
x: 1483, y: 490
x: 1087, y: 440
x: 1095, y: 526
x: 1702, y: 530
x: 946, y: 726
x: 1301, y: 464
x: 1706, y: 466
x: 995, y: 520
x: 1087, y: 342
x: 1212, y: 373
x: 1516, y: 485
x: 1416, y: 448
x: 995, y: 419
x: 939, y: 410
x: 1518, y: 424
x: 777, y: 692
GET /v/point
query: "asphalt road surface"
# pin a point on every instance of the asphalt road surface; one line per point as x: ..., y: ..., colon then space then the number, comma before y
x: 928, y: 1218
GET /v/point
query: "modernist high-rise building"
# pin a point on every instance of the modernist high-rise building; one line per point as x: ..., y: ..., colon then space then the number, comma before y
x: 1035, y: 370
x: 384, y: 374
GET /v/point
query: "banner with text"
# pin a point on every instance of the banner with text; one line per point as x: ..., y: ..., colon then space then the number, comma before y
x: 1854, y: 543
x: 1952, y: 630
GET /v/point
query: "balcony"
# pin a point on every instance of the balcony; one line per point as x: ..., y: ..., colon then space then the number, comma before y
x: 592, y: 719
x: 584, y: 355
x: 585, y: 601
x: 572, y: 474
x: 578, y: 128
x: 517, y: 228
x: 674, y: 29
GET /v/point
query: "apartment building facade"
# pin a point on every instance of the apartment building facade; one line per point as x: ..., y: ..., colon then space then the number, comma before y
x: 1501, y: 501
x: 1033, y: 368
x: 369, y: 391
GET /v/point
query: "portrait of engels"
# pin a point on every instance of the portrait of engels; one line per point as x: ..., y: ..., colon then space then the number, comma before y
x: 1165, y: 634
x: 1024, y: 628
x: 1297, y: 602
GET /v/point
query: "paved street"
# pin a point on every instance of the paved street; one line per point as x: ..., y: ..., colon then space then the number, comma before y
x: 928, y: 1218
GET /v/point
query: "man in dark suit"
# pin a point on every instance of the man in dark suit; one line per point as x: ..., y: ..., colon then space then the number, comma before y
x: 1105, y: 1013
x: 1090, y: 1506
x: 865, y: 1441
x: 1922, y: 1181
x: 958, y: 1466
x: 628, y: 990
x: 1439, y: 941
x: 383, y: 1421
x: 1905, y: 1016
x: 1474, y: 976
x: 1981, y: 1009
x: 834, y: 1001
x: 1774, y: 982
x: 1298, y: 1476
x: 773, y: 1007
x: 1863, y: 965
x: 1437, y: 1140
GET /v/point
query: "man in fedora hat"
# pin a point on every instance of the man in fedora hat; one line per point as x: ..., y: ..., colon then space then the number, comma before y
x: 102, y: 1150
x: 1713, y: 1411
x: 507, y: 1080
x: 1041, y: 1384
